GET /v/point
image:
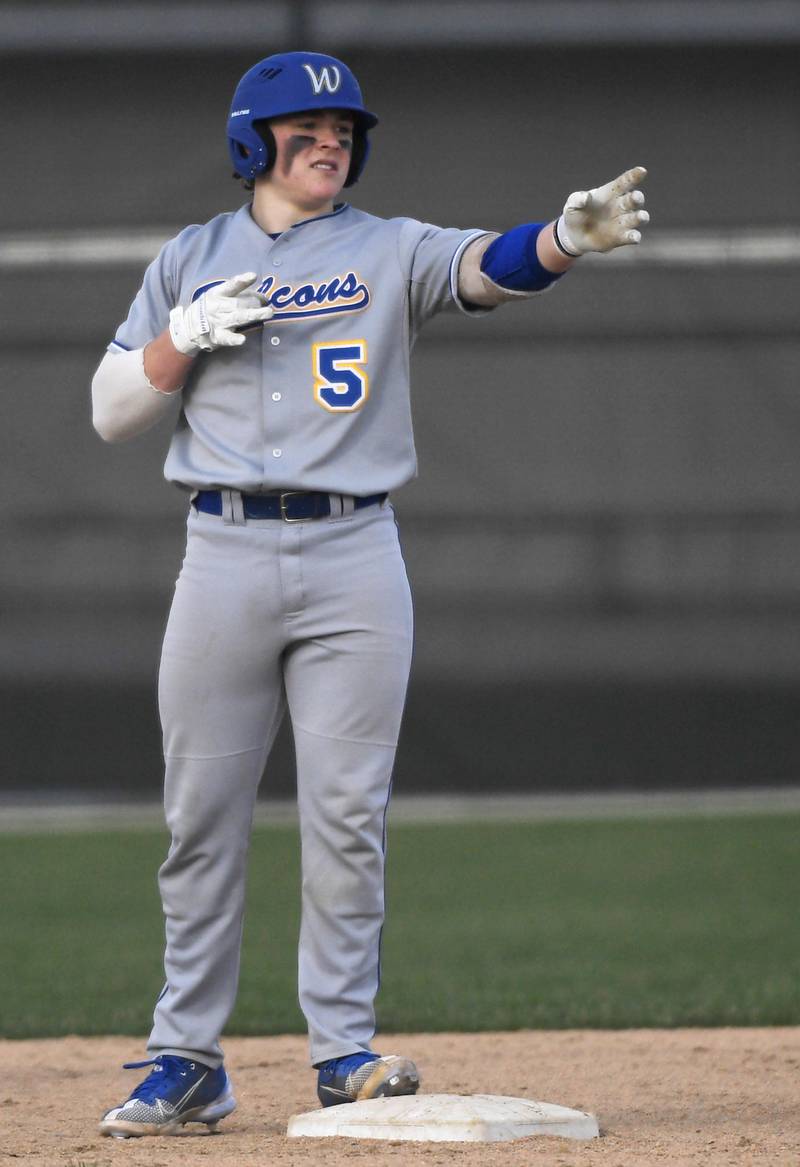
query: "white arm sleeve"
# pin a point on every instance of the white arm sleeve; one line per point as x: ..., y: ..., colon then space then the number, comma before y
x: 124, y: 403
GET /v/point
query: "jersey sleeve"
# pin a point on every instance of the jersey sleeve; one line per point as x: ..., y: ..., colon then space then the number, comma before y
x: 430, y: 256
x: 149, y: 313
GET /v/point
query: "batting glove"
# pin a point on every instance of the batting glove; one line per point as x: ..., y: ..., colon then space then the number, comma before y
x: 604, y: 218
x: 211, y: 320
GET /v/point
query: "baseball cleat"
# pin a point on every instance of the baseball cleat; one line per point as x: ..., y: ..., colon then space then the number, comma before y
x: 365, y: 1075
x: 175, y: 1092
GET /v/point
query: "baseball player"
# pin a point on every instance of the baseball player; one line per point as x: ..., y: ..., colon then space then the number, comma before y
x: 283, y: 329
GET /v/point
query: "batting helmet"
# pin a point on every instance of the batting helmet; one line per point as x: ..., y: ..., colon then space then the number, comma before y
x: 289, y: 83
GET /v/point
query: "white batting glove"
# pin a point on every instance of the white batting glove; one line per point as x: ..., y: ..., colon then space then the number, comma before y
x: 604, y: 218
x: 211, y: 320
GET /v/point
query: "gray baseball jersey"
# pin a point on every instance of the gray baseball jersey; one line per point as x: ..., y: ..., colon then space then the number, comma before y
x: 318, y: 397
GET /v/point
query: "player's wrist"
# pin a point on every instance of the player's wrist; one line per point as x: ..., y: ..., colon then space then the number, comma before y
x: 188, y: 330
x: 563, y: 240
x: 162, y: 392
x: 179, y: 336
x: 513, y: 263
x: 165, y: 369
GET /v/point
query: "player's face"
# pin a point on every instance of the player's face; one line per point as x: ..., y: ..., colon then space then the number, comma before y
x: 313, y: 155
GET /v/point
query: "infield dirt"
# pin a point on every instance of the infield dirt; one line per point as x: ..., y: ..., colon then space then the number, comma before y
x: 691, y: 1096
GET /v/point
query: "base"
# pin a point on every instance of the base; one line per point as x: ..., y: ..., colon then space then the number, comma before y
x: 469, y: 1118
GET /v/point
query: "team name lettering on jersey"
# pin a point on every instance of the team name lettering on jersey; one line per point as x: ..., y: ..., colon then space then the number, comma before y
x: 295, y: 302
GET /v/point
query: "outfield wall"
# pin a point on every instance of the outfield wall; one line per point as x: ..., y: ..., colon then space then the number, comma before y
x: 608, y: 498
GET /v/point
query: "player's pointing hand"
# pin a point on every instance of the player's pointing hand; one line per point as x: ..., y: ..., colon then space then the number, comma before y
x: 604, y: 218
x: 212, y: 319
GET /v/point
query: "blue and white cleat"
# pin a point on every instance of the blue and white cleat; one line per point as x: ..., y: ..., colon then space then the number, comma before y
x: 175, y: 1092
x: 365, y: 1075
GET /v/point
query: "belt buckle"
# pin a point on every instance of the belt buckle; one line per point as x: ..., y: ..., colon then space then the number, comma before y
x: 284, y: 516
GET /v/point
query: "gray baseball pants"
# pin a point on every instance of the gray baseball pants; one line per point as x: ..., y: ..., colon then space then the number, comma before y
x: 315, y: 616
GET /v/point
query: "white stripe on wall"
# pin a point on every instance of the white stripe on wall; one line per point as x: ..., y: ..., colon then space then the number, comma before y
x: 121, y: 247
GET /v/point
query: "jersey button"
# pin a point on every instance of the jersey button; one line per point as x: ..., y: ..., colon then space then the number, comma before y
x: 277, y: 262
x: 274, y: 340
x: 276, y: 396
x: 277, y: 453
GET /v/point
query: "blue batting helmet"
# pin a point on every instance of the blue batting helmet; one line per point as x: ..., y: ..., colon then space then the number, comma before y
x: 289, y: 83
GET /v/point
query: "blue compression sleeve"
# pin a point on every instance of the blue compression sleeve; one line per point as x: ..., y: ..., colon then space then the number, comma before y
x: 511, y: 261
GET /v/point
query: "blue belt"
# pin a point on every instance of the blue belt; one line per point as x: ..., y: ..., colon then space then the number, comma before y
x: 293, y: 506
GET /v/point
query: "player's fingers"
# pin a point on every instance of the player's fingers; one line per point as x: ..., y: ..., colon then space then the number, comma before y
x: 621, y: 184
x: 632, y: 219
x: 248, y: 300
x: 226, y: 338
x: 578, y: 200
x: 244, y: 302
x: 235, y: 284
x: 251, y: 298
x: 628, y: 180
x: 630, y: 201
x: 252, y: 315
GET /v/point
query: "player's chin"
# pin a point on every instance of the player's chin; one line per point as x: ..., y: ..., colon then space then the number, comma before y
x: 326, y: 182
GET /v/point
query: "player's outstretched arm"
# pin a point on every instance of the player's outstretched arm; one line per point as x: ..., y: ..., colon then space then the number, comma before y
x: 529, y: 258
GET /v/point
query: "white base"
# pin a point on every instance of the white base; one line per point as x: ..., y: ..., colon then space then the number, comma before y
x: 470, y: 1118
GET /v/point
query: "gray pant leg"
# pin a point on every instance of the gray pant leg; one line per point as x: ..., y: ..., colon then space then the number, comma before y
x: 202, y: 885
x: 345, y: 684
x: 221, y: 698
x: 342, y: 807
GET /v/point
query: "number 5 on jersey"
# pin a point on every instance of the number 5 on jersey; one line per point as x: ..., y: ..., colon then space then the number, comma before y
x: 341, y: 384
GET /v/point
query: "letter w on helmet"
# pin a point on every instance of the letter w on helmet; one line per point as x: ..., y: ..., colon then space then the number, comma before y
x: 328, y: 78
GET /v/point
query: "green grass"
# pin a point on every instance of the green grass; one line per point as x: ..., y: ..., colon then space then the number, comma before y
x: 637, y: 923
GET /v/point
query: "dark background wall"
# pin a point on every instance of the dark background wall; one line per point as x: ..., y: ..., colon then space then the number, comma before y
x: 605, y: 535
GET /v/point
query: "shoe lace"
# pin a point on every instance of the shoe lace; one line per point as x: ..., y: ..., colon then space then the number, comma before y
x: 169, y: 1069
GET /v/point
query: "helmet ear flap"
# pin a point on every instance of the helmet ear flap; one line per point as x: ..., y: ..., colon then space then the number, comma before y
x: 359, y: 155
x: 249, y: 153
x: 262, y: 128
